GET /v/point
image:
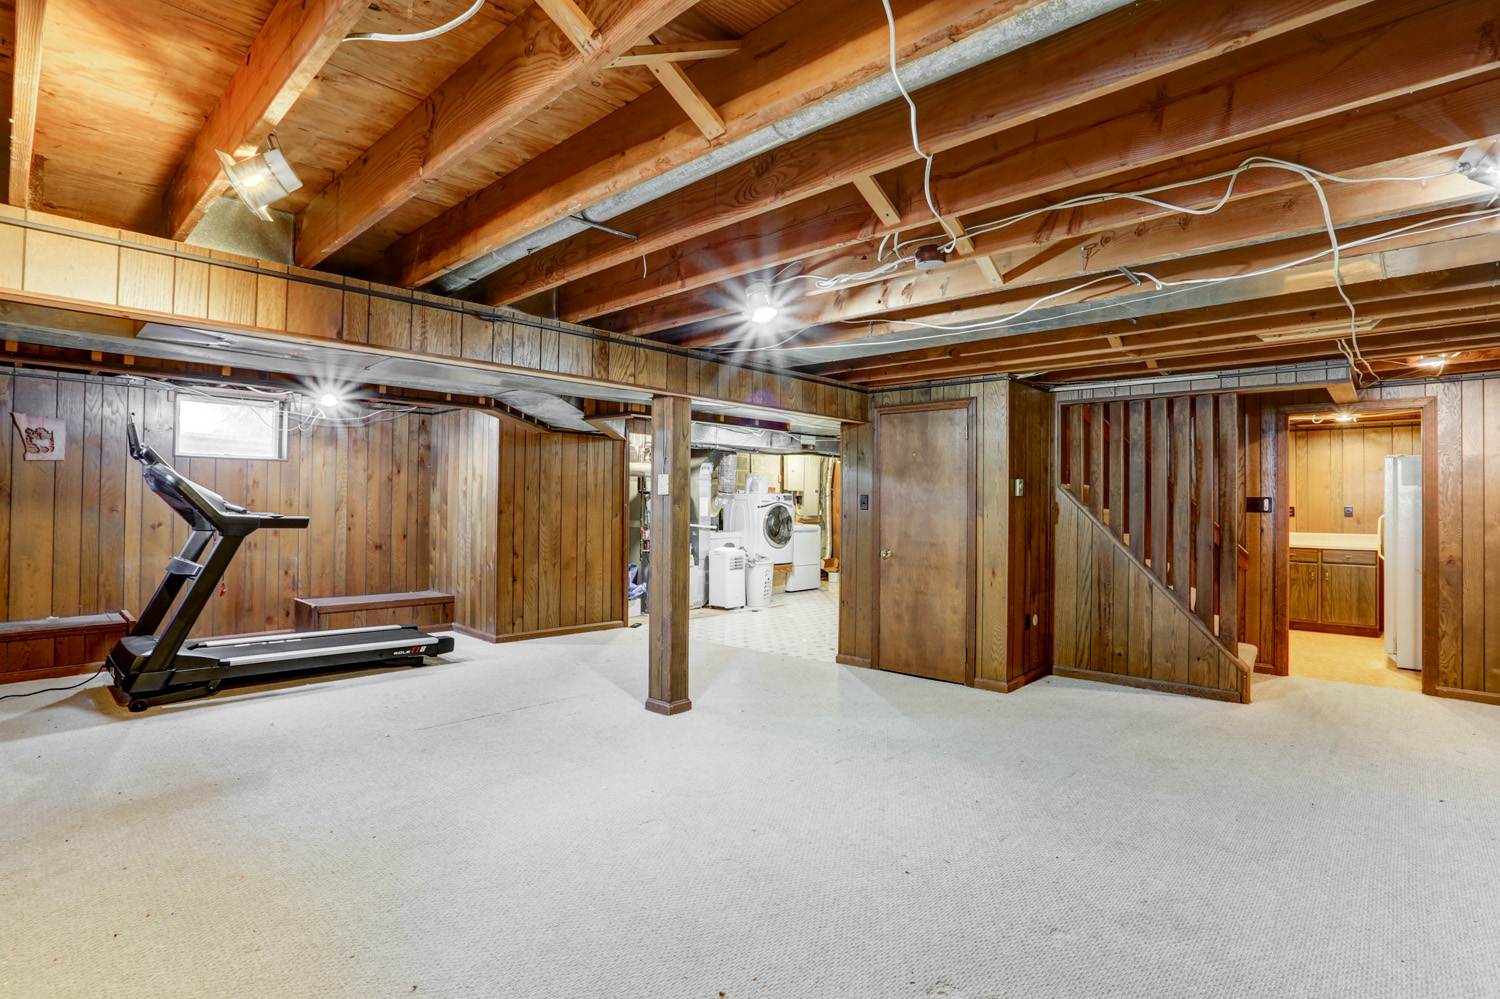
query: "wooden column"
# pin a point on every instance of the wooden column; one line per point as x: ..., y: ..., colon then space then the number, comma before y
x: 670, y: 494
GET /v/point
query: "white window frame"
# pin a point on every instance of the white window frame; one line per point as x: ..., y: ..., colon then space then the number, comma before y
x: 277, y: 406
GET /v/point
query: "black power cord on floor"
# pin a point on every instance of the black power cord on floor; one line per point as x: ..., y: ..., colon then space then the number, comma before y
x: 49, y: 690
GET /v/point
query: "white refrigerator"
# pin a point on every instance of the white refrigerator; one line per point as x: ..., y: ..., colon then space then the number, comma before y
x: 1401, y: 548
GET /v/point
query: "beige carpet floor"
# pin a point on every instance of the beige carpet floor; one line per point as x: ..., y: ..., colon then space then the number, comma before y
x: 513, y: 824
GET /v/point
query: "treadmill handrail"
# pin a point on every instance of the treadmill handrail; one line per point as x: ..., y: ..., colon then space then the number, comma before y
x: 200, y: 506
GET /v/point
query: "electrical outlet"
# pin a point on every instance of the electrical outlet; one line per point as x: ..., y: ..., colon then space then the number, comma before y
x: 1348, y: 511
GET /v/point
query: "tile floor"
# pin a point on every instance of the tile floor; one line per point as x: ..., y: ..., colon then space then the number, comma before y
x: 1348, y: 659
x: 804, y: 624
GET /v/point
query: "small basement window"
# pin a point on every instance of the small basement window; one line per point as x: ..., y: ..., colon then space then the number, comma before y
x: 231, y: 428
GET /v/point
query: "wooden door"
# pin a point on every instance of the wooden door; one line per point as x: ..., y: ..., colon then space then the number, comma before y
x: 1351, y: 595
x: 1303, y: 596
x: 924, y: 533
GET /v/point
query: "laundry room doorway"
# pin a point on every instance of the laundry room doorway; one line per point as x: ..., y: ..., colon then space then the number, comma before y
x: 765, y: 540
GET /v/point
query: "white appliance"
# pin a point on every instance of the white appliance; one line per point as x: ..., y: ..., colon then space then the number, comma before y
x: 759, y: 578
x: 807, y: 558
x: 726, y: 577
x: 765, y: 520
x: 1400, y: 530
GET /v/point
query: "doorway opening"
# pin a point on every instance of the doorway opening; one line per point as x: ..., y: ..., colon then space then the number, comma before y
x: 764, y: 538
x: 1356, y: 544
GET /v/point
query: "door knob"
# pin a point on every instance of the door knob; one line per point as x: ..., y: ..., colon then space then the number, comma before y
x: 885, y: 553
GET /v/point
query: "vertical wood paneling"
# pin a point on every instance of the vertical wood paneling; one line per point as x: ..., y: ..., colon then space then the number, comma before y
x: 83, y: 536
x: 522, y: 530
x: 1155, y: 642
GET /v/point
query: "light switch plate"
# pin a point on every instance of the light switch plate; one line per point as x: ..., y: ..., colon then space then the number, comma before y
x: 663, y: 484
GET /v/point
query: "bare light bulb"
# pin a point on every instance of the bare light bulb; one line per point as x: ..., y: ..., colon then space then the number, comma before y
x: 758, y: 303
x: 328, y: 400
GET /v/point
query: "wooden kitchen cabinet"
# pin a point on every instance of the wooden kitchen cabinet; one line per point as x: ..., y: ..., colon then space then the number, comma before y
x: 1303, y: 591
x: 1334, y: 589
x: 1350, y: 595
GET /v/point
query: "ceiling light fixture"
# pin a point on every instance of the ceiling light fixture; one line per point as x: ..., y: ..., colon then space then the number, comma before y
x: 328, y: 400
x: 758, y: 306
x: 930, y: 258
x: 1436, y: 360
x: 261, y: 180
x: 1479, y: 164
x: 1343, y: 417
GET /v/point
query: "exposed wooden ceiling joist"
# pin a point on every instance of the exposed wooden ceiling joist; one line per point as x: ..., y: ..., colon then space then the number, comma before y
x: 515, y: 75
x: 25, y: 91
x: 1256, y: 221
x: 780, y: 67
x: 1025, y: 170
x: 649, y: 55
x: 285, y: 57
x: 1093, y: 60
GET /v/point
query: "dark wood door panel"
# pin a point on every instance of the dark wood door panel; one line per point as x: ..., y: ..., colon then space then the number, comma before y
x: 1351, y: 595
x: 924, y: 511
x: 1303, y: 595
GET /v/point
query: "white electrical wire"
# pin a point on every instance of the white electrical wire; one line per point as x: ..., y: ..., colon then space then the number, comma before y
x: 1314, y: 177
x: 1169, y: 288
x: 890, y: 20
x: 416, y: 36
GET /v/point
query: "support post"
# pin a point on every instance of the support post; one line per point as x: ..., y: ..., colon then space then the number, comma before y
x: 670, y: 494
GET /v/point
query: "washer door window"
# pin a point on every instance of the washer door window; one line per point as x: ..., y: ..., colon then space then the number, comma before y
x: 779, y: 525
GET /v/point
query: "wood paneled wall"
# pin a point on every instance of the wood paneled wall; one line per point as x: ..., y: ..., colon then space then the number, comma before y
x: 528, y: 527
x: 1462, y: 449
x: 1118, y: 622
x: 77, y: 262
x: 1164, y: 476
x: 1330, y: 468
x: 1014, y: 534
x: 84, y: 535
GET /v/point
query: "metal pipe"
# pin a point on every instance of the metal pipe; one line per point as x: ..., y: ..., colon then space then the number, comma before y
x: 1041, y: 21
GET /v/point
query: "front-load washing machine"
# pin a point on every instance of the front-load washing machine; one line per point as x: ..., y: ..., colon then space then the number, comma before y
x: 766, y: 523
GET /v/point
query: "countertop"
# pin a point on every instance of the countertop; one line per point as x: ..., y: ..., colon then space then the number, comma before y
x: 1348, y: 542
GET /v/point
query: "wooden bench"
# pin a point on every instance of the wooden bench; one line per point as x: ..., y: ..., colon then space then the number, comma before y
x: 424, y: 608
x: 58, y: 646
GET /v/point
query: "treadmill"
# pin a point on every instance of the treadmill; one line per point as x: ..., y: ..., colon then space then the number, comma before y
x: 156, y: 664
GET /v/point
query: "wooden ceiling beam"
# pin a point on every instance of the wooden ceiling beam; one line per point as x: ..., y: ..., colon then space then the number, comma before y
x: 1461, y: 245
x: 674, y: 80
x: 285, y: 56
x: 1254, y: 356
x: 26, y: 88
x: 1145, y: 248
x: 1094, y: 59
x: 1005, y: 175
x: 650, y: 55
x: 880, y: 203
x: 1075, y: 350
x: 573, y: 22
x: 780, y: 67
x: 519, y: 72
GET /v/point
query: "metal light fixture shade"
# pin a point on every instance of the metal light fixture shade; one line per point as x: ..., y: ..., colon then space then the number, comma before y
x: 1479, y: 164
x: 759, y: 308
x: 261, y: 180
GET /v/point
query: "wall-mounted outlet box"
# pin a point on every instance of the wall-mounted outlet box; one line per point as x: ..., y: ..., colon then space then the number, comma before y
x: 864, y: 501
x: 1348, y: 511
x: 1258, y: 504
